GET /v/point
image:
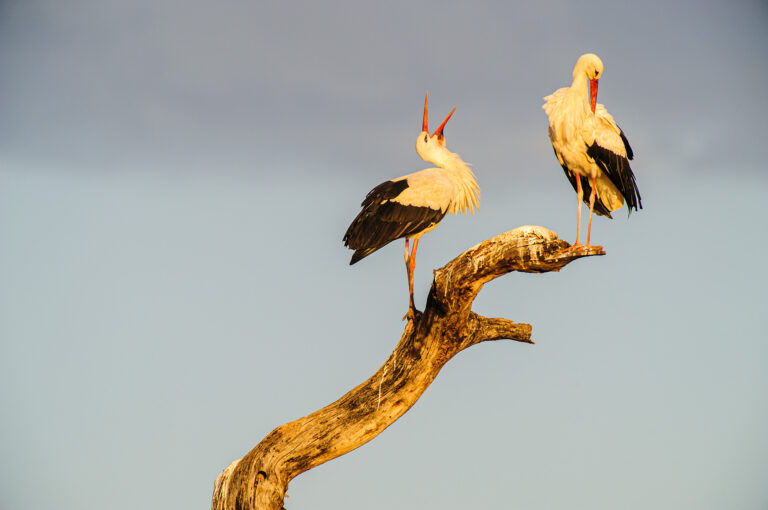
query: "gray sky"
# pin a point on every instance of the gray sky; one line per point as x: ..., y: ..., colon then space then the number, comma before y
x: 175, y: 180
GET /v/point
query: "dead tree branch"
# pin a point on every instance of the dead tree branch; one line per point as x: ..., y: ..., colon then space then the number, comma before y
x: 447, y: 326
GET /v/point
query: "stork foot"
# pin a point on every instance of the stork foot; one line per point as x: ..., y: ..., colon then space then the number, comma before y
x: 584, y: 250
x: 413, y: 314
x: 581, y: 249
x: 577, y: 246
x: 589, y: 249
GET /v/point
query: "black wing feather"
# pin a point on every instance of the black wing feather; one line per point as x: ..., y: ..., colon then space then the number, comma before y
x: 624, y: 140
x: 383, y: 220
x: 617, y: 169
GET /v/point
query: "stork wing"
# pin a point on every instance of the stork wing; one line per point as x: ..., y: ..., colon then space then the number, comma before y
x: 385, y: 218
x: 609, y: 135
x: 611, y: 151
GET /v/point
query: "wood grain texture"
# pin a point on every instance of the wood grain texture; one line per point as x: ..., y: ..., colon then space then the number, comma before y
x: 447, y: 326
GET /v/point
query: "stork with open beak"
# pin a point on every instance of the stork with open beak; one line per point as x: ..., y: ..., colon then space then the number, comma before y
x: 590, y: 146
x: 412, y: 205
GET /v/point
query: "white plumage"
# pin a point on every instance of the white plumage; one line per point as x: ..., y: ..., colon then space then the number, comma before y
x: 427, y: 188
x: 590, y: 146
x: 412, y: 205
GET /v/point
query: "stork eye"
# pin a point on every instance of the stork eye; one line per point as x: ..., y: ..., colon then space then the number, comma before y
x: 426, y: 137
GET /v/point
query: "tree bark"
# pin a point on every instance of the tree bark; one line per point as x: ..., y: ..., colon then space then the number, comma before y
x: 259, y: 480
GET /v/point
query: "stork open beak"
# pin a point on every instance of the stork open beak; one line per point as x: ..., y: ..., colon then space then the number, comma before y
x: 425, y: 122
x: 439, y: 130
x: 593, y: 94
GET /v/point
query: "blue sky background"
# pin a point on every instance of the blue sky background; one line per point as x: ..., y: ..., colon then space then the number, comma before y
x: 175, y: 180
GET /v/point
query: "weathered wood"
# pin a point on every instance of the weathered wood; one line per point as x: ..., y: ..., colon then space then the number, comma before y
x: 259, y: 480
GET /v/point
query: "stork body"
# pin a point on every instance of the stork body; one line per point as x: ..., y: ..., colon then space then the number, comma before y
x: 412, y: 205
x: 590, y: 146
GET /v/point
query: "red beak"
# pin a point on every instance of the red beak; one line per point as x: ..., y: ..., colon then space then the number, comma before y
x: 425, y: 122
x: 593, y: 94
x: 439, y: 130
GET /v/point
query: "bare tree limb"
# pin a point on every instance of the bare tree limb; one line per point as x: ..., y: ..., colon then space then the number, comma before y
x: 487, y: 328
x: 260, y: 479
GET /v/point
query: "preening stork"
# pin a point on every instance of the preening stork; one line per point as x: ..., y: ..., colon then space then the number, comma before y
x: 590, y: 146
x: 412, y: 205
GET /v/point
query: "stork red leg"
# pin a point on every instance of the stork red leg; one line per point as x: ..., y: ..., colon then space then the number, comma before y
x: 591, y: 208
x: 405, y: 257
x: 580, y: 196
x: 411, y: 268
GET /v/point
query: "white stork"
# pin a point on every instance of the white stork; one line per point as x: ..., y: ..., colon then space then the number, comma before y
x: 412, y: 205
x: 590, y: 146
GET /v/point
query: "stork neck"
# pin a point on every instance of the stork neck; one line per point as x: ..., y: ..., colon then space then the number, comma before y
x: 467, y: 189
x: 450, y: 162
x: 580, y: 85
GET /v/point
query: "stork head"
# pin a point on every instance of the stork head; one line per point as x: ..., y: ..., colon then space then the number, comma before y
x: 428, y: 145
x: 591, y: 65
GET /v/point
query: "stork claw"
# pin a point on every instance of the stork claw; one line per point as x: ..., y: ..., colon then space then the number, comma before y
x: 580, y: 249
x: 574, y: 247
x: 412, y: 314
x: 587, y: 249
